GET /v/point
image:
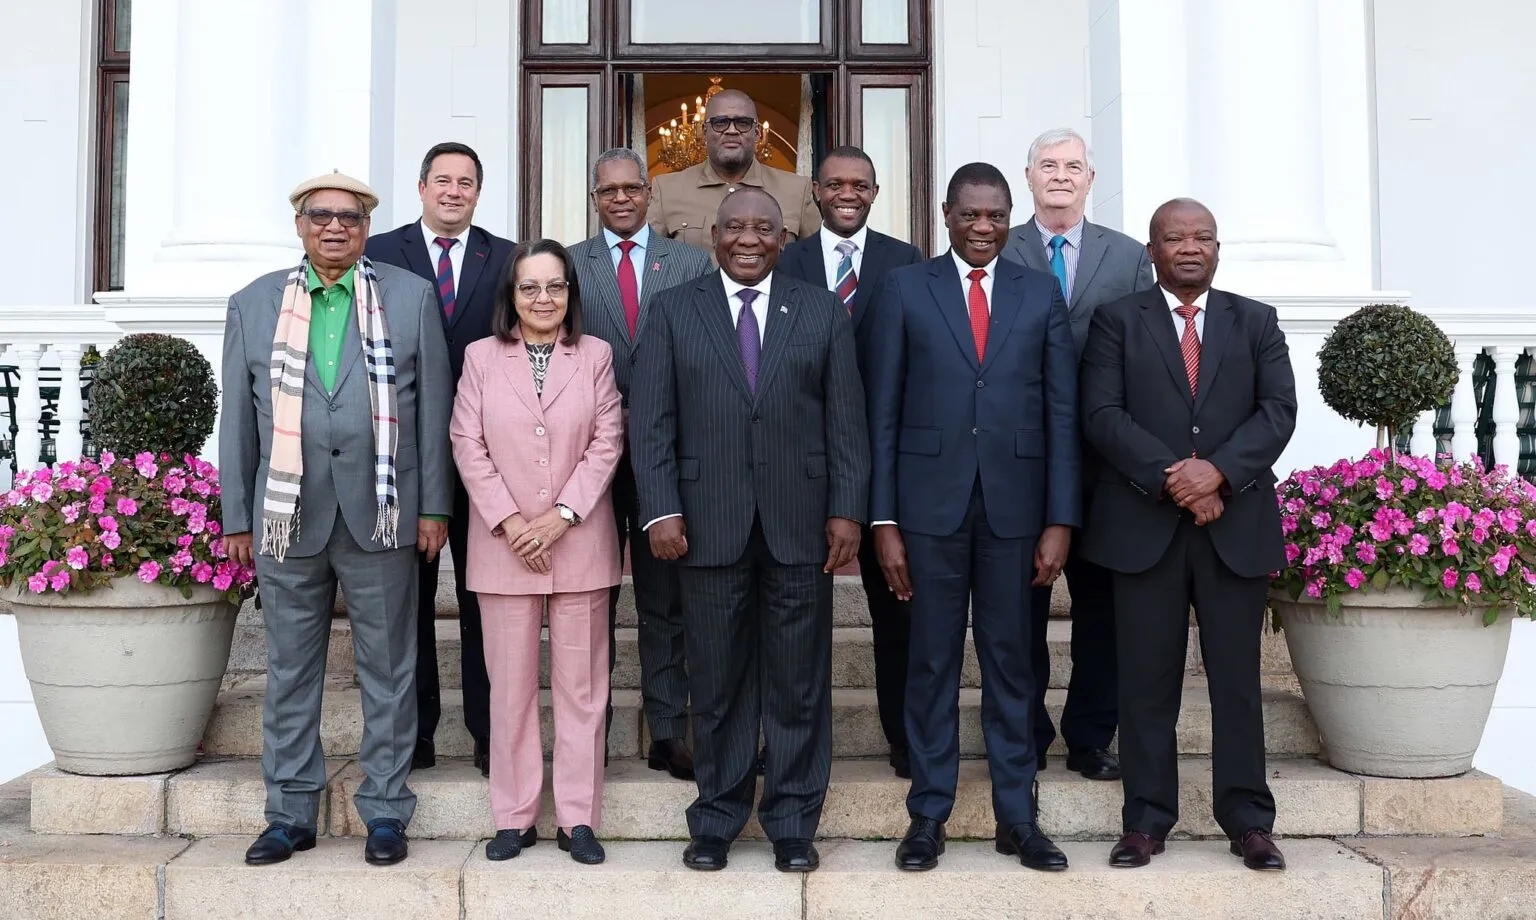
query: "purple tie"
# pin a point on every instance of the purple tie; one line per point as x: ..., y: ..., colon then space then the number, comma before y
x: 746, y: 336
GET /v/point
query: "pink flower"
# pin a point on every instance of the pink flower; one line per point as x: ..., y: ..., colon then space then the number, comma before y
x: 106, y: 559
x: 196, y: 524
x: 1288, y: 525
x: 223, y: 580
x: 37, y: 583
x: 111, y: 539
x: 96, y: 505
x: 1473, y: 583
x: 107, y: 458
x: 150, y: 569
x: 145, y: 464
x: 59, y: 581
x: 174, y: 483
x: 71, y: 513
x: 1366, y: 552
x: 127, y: 507
x: 42, y: 491
x: 1500, y: 560
x: 1448, y: 577
x: 1449, y: 547
x: 180, y: 560
x: 77, y: 558
x: 1315, y: 588
x: 1479, y: 534
x: 1409, y: 484
x: 1292, y: 553
x: 180, y: 505
x: 100, y: 486
x: 1354, y: 578
x: 107, y: 522
x: 185, y: 539
x: 1435, y: 480
x: 1321, y: 520
x: 202, y: 572
x: 1426, y: 515
x: 1383, y: 488
x: 1418, y: 544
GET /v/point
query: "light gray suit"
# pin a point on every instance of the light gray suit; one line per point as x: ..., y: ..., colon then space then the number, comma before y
x: 1110, y: 265
x: 663, y: 661
x: 337, y: 511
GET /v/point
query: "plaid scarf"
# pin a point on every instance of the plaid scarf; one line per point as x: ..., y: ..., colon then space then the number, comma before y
x: 290, y: 350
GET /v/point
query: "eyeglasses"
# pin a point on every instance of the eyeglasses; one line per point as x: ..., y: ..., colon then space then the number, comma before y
x: 528, y: 290
x: 322, y: 217
x: 610, y: 192
x: 718, y: 123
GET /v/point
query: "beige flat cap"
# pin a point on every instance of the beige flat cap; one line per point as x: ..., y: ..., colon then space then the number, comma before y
x: 338, y: 180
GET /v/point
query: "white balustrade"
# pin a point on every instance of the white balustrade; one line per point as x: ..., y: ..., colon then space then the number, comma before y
x: 1422, y: 443
x: 1464, y: 403
x: 1506, y: 404
x: 29, y: 403
x: 44, y: 346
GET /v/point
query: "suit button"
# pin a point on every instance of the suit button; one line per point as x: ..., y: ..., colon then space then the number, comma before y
x: 333, y: 407
x: 980, y: 384
x: 756, y: 419
x: 449, y: 340
x: 975, y: 431
x: 543, y: 461
x: 543, y: 493
x: 1195, y: 430
x: 335, y: 453
x: 539, y: 431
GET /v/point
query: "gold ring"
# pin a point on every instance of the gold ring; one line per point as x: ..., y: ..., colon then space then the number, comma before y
x: 536, y: 541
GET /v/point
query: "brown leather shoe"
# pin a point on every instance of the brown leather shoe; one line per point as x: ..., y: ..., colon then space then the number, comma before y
x: 673, y: 756
x: 1134, y: 850
x: 1258, y: 851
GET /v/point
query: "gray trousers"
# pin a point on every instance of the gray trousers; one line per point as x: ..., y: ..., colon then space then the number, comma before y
x: 296, y: 597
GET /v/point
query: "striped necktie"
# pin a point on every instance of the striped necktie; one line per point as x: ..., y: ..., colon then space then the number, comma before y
x: 1189, y: 345
x: 445, y: 291
x: 847, y: 280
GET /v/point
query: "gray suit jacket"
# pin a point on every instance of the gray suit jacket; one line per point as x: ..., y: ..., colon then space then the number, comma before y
x: 337, y: 427
x: 1110, y: 266
x: 791, y: 454
x: 668, y: 263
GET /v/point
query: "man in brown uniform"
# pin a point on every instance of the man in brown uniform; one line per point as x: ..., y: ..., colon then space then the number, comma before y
x: 683, y: 204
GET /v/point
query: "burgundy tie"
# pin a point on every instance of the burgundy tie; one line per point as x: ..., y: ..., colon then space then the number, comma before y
x: 1189, y: 344
x: 445, y: 274
x: 629, y: 290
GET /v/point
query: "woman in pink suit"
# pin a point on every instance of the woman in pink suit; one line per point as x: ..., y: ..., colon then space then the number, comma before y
x: 537, y: 433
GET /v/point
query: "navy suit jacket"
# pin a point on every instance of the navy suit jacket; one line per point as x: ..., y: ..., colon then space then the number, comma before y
x: 938, y: 418
x: 882, y: 254
x: 485, y: 263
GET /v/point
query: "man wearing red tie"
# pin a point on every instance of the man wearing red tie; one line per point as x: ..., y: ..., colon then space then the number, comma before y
x: 1188, y: 395
x: 972, y: 391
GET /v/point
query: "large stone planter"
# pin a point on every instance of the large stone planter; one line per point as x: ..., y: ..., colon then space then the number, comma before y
x: 124, y: 676
x: 1396, y: 688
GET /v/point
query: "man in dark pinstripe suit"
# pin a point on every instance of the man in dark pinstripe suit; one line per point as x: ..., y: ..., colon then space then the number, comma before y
x: 749, y: 446
x: 621, y: 271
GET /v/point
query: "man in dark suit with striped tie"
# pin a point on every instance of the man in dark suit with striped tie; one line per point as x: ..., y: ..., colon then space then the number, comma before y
x: 752, y: 461
x: 852, y: 261
x: 621, y: 271
x: 465, y: 264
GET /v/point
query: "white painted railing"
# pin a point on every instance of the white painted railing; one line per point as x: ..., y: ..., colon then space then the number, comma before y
x: 48, y: 342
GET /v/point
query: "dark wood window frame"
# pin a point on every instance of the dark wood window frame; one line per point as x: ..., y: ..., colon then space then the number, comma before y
x: 608, y: 54
x: 111, y: 69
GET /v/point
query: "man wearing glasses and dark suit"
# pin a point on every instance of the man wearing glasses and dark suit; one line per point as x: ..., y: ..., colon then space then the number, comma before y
x: 683, y: 204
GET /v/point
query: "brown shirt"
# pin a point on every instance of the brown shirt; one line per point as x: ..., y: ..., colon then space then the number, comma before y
x: 683, y: 204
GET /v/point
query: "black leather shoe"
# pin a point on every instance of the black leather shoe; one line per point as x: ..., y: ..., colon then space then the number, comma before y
x: 386, y: 842
x: 673, y: 756
x: 1034, y: 849
x: 920, y: 849
x: 483, y: 757
x: 795, y: 854
x: 508, y: 844
x: 581, y: 844
x: 1094, y: 763
x: 425, y: 756
x: 278, y: 842
x: 707, y: 854
x: 1258, y: 851
x: 901, y: 761
x: 1134, y: 850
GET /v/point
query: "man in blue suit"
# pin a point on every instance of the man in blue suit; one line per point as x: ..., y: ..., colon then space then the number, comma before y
x: 972, y: 392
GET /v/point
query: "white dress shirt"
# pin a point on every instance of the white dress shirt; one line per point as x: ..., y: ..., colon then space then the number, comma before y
x: 641, y: 239
x: 1178, y: 321
x: 455, y: 255
x: 965, y: 278
x: 831, y: 258
x: 965, y: 292
x: 733, y: 291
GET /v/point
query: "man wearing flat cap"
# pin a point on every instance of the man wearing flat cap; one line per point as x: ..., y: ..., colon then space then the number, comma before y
x: 333, y: 463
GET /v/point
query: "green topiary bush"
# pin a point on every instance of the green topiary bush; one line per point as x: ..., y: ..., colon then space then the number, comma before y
x: 155, y: 393
x: 1384, y: 365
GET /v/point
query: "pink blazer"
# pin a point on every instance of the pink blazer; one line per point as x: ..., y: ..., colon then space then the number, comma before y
x: 518, y: 452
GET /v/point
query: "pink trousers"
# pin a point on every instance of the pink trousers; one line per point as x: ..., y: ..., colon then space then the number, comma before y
x: 578, y: 651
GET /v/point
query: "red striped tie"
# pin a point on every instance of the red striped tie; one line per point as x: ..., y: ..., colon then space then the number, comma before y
x: 1189, y: 344
x: 445, y: 290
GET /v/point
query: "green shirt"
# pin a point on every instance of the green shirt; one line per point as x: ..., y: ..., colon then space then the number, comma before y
x: 330, y: 310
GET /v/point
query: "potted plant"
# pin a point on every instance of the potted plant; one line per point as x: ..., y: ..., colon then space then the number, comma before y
x: 124, y: 598
x: 1399, y: 567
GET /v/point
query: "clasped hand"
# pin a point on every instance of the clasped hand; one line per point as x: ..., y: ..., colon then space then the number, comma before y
x: 532, y: 541
x: 1194, y: 484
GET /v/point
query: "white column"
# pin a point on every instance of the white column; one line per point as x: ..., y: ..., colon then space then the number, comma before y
x: 1506, y: 406
x: 1464, y: 404
x: 29, y: 404
x: 1423, y: 438
x: 69, y: 444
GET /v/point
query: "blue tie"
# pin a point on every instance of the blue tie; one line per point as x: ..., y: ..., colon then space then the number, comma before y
x: 1059, y: 264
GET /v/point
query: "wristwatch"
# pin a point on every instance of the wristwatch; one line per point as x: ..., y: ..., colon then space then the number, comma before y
x: 567, y: 515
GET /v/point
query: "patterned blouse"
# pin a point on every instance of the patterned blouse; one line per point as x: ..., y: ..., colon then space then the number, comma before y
x: 538, y: 356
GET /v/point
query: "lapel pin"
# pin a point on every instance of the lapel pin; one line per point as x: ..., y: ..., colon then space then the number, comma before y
x: 655, y: 266
x: 783, y: 309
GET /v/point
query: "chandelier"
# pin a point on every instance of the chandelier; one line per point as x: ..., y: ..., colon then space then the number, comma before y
x: 682, y: 139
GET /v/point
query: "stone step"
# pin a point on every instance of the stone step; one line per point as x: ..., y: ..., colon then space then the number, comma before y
x: 853, y: 661
x: 235, y: 726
